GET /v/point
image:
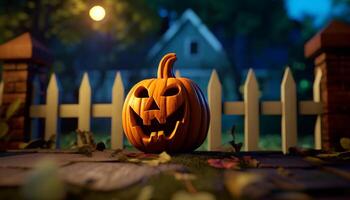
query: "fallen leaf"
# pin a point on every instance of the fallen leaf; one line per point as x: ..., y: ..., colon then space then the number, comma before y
x: 246, y: 185
x: 183, y: 195
x: 146, y: 193
x: 314, y: 160
x: 118, y: 155
x: 248, y: 161
x: 152, y: 163
x: 345, y: 143
x: 86, y: 138
x: 149, y: 159
x: 164, y: 157
x: 86, y: 149
x: 160, y: 159
x: 184, y: 176
x: 117, y: 152
x: 225, y: 163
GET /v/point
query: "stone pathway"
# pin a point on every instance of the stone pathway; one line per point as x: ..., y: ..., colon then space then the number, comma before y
x: 101, y: 172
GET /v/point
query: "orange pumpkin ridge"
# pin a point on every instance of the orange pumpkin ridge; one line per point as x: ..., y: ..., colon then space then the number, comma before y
x: 165, y: 113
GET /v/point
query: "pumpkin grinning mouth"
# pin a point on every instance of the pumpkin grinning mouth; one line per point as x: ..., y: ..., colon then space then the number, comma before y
x: 167, y: 127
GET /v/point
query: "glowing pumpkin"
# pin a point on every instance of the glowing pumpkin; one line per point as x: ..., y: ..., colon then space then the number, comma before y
x: 167, y: 113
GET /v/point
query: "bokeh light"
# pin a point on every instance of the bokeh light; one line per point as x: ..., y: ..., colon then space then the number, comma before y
x: 97, y: 13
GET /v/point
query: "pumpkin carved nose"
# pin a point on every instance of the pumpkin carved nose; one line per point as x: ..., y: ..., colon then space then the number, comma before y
x: 152, y: 105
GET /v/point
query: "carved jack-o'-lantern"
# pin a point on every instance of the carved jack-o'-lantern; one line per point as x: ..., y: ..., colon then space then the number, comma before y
x: 166, y: 114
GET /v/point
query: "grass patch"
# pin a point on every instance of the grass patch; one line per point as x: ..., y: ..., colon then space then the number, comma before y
x: 266, y: 142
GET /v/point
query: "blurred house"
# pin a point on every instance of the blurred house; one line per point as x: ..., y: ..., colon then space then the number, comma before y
x: 198, y: 52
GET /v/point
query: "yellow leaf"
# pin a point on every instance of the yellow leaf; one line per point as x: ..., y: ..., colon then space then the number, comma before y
x: 237, y: 182
x: 13, y: 108
x: 146, y: 193
x: 4, y: 128
x: 164, y: 157
x: 22, y: 145
x: 152, y: 163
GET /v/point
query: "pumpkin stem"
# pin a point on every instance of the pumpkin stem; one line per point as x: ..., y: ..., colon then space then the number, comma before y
x: 165, y: 68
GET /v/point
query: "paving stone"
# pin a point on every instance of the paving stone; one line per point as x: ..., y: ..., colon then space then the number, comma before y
x: 29, y: 160
x: 109, y: 176
x: 12, y: 176
x: 274, y: 161
x: 303, y: 179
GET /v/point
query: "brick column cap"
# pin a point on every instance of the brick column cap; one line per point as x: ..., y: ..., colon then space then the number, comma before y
x: 25, y: 48
x: 335, y: 36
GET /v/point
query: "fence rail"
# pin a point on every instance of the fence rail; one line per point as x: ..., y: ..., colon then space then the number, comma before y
x: 250, y: 107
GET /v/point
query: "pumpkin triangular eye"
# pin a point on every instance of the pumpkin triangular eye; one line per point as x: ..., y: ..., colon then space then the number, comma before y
x: 171, y: 91
x: 141, y: 92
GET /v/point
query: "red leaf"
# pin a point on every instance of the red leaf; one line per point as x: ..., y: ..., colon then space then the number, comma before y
x: 226, y: 163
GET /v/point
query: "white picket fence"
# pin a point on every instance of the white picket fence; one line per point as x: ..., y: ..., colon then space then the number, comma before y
x: 84, y: 110
x: 250, y: 107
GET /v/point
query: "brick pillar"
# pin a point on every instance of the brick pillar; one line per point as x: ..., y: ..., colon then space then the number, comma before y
x: 330, y: 49
x: 22, y: 58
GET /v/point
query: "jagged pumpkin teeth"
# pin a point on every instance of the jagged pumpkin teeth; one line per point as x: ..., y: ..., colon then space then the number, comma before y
x: 166, y: 113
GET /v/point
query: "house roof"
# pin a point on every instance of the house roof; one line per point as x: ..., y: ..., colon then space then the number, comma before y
x: 191, y: 17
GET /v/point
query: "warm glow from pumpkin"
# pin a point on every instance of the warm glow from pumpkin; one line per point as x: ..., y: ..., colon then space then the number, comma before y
x: 97, y: 13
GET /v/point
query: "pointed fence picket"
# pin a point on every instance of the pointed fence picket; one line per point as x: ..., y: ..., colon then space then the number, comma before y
x: 215, y: 107
x: 51, y: 108
x: 116, y: 113
x: 289, y: 111
x: 250, y: 107
x: 251, y: 110
x: 84, y: 106
x: 84, y: 110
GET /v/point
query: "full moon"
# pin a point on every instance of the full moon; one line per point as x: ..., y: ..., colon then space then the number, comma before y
x: 97, y: 13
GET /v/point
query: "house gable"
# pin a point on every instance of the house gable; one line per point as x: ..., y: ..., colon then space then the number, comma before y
x: 194, y: 44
